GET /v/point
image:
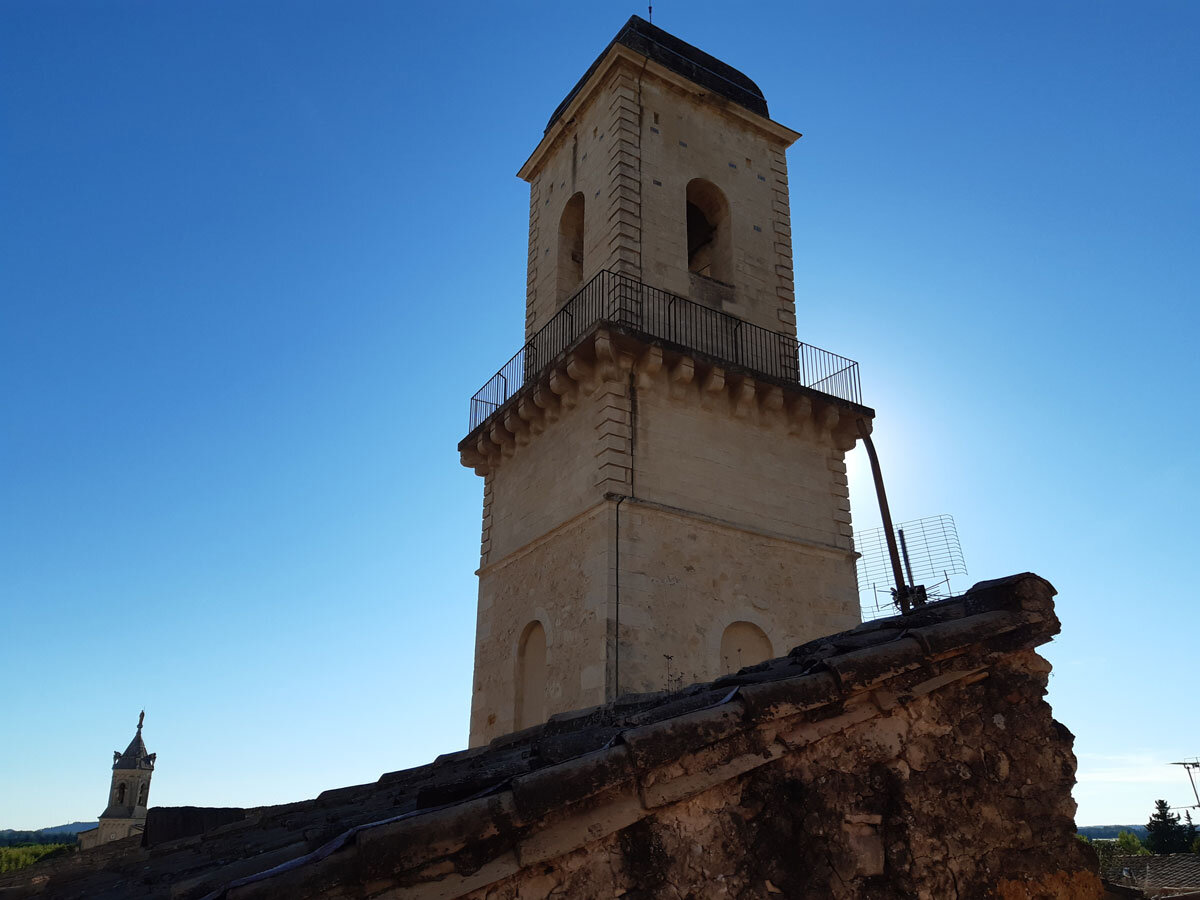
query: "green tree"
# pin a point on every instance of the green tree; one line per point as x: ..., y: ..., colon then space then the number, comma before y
x: 1190, y: 835
x: 19, y: 857
x: 1164, y: 832
x: 1128, y: 844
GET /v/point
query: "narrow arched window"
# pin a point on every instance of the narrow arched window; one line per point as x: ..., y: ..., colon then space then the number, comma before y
x: 709, y: 237
x: 120, y: 793
x: 744, y: 644
x: 531, y: 676
x: 570, y: 249
x: 143, y: 793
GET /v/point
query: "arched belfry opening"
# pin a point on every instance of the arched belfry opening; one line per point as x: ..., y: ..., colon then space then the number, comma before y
x: 531, y: 677
x: 709, y: 238
x: 570, y: 249
x: 744, y: 644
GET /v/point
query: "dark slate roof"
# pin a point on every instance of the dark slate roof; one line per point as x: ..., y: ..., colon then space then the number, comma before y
x: 681, y: 58
x: 135, y: 755
x: 479, y: 799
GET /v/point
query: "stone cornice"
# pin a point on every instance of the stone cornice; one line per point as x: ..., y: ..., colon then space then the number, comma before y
x: 608, y: 354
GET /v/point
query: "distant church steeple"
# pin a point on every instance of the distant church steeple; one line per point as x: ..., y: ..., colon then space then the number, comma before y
x: 128, y: 793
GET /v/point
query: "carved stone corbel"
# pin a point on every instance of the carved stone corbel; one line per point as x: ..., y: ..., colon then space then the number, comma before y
x: 565, y: 387
x: 771, y: 399
x: 580, y: 372
x: 743, y: 397
x: 518, y: 428
x: 649, y: 365
x: 502, y: 439
x: 799, y: 413
x: 714, y: 381
x: 681, y: 376
x: 547, y: 401
x: 712, y: 387
x: 531, y: 414
x: 828, y: 417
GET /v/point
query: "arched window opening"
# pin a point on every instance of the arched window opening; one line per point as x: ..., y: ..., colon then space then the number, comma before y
x: 531, y: 677
x: 570, y: 249
x: 121, y: 793
x: 709, y: 238
x: 143, y: 792
x: 744, y: 644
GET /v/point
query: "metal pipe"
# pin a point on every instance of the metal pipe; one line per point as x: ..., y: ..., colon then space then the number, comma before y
x: 885, y: 513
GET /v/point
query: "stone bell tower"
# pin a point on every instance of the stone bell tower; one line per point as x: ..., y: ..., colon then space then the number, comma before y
x: 128, y: 795
x: 664, y: 461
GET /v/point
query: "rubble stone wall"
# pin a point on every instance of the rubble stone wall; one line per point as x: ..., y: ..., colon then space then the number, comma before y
x: 964, y: 792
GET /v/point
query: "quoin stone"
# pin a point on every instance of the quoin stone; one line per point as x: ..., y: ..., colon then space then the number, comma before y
x: 665, y: 494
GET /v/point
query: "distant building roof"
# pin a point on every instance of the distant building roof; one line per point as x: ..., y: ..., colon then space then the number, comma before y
x: 683, y: 59
x: 1171, y: 872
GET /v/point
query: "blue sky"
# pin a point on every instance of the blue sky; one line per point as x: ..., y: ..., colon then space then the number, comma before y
x: 255, y: 257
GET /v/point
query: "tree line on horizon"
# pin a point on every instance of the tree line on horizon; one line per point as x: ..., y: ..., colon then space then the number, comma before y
x: 1166, y: 833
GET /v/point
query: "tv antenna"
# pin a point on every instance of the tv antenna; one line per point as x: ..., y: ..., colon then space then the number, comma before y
x: 931, y: 554
x: 1190, y: 765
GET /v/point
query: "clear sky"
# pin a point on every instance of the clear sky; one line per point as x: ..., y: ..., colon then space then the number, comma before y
x: 255, y: 257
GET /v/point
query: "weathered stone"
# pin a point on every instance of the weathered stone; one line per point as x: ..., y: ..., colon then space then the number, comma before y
x: 950, y: 778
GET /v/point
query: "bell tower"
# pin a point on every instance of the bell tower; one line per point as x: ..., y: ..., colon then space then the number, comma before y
x: 665, y: 494
x: 129, y: 793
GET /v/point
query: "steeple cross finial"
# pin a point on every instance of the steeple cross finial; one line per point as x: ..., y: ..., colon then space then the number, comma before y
x: 141, y: 716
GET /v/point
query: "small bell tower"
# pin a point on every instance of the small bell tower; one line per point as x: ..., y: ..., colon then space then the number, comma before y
x: 665, y: 494
x: 129, y: 793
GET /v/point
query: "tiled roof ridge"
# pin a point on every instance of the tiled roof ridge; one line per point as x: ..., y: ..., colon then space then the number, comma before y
x: 1164, y: 870
x: 607, y: 767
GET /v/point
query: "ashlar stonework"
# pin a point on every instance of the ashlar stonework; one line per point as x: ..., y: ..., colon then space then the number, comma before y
x: 664, y: 493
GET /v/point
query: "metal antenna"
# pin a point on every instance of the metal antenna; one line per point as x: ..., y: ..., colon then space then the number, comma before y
x: 1189, y: 765
x: 929, y: 552
x: 650, y: 12
x: 904, y: 554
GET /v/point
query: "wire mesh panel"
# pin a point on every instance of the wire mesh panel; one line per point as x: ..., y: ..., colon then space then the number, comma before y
x: 934, y: 553
x: 632, y: 305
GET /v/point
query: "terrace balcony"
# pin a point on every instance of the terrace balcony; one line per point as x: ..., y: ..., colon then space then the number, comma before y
x: 625, y: 306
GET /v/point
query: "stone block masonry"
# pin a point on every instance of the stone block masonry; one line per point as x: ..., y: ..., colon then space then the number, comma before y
x: 697, y: 508
x: 658, y: 506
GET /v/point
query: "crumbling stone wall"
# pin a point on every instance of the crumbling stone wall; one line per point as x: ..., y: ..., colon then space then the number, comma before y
x: 909, y: 757
x: 964, y: 792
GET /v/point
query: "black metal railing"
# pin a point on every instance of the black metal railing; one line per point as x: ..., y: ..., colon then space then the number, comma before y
x: 626, y: 303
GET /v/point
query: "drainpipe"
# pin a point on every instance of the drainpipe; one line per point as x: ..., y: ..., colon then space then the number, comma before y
x: 902, y: 589
x: 617, y: 604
